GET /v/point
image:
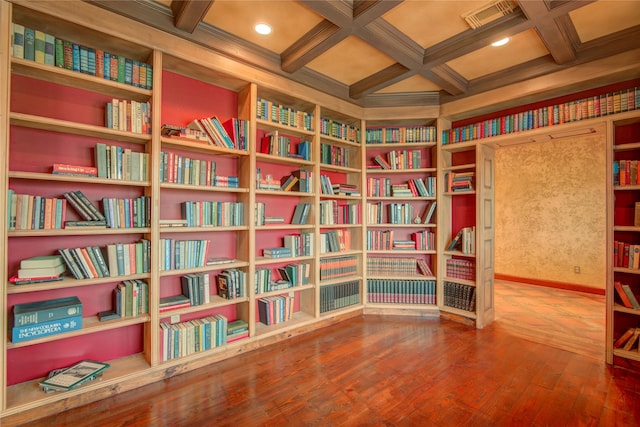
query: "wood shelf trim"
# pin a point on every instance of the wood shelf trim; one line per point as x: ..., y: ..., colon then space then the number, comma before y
x: 188, y: 187
x: 214, y: 267
x: 335, y: 168
x: 337, y: 141
x: 203, y: 229
x: 285, y: 129
x: 72, y: 178
x: 405, y: 145
x: 626, y: 147
x: 378, y: 171
x: 76, y: 231
x: 266, y: 261
x: 338, y: 280
x: 69, y: 282
x: 272, y: 158
x: 284, y: 291
x: 216, y: 302
x: 458, y: 280
x: 203, y: 147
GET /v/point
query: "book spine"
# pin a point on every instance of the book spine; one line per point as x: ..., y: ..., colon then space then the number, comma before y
x: 44, y: 329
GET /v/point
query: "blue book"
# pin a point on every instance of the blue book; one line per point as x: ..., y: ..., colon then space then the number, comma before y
x: 29, y: 44
x: 44, y: 329
x: 75, y: 54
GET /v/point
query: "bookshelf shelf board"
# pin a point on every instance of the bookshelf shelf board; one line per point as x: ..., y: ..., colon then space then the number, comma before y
x: 270, y: 158
x: 404, y: 277
x: 459, y: 146
x: 458, y: 280
x: 427, y: 307
x: 389, y: 225
x: 205, y: 229
x: 202, y: 146
x: 27, y: 395
x: 330, y: 226
x: 340, y: 253
x: 70, y: 282
x: 339, y: 197
x: 338, y: 280
x: 459, y: 167
x: 286, y: 130
x: 90, y: 325
x: 459, y: 253
x: 216, y: 302
x: 76, y: 231
x: 285, y: 291
x: 404, y: 145
x: 626, y: 187
x: 72, y: 178
x: 283, y: 193
x: 626, y: 147
x: 630, y: 228
x: 299, y: 319
x: 284, y: 227
x: 66, y: 77
x: 335, y: 168
x: 264, y: 261
x: 627, y: 354
x: 626, y: 270
x: 459, y: 193
x: 337, y: 141
x: 379, y: 171
x: 342, y: 310
x: 187, y: 187
x: 400, y: 199
x: 459, y: 312
x: 401, y: 252
x: 64, y: 126
x: 622, y: 309
x: 214, y: 267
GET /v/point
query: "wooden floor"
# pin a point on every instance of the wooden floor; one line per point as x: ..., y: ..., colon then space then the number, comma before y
x: 389, y: 371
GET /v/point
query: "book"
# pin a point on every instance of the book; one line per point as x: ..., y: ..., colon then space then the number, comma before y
x: 30, y: 273
x: 631, y: 297
x: 622, y: 294
x: 29, y: 44
x: 41, y: 261
x: 49, y: 389
x: 624, y: 337
x: 75, y: 375
x: 18, y: 281
x: 74, y: 170
x: 18, y: 41
x: 44, y: 329
x: 103, y: 316
x: 40, y: 311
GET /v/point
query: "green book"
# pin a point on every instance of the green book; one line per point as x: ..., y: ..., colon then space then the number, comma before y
x: 44, y: 311
x: 29, y: 44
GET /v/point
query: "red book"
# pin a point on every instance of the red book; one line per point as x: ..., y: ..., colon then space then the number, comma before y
x: 623, y: 296
x: 59, y: 168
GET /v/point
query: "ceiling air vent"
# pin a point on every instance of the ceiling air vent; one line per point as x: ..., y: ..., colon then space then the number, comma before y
x: 489, y: 12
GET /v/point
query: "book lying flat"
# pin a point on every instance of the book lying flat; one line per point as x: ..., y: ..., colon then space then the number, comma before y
x: 75, y: 375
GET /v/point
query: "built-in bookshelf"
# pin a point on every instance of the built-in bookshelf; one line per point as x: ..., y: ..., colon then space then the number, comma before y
x: 401, y: 187
x: 623, y: 284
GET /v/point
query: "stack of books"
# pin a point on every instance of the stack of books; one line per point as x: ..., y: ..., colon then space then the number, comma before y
x: 39, y: 319
x: 45, y: 268
x: 236, y: 330
x: 277, y: 252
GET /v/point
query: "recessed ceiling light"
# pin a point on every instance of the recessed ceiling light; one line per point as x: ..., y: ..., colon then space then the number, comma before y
x: 263, y: 29
x: 500, y: 42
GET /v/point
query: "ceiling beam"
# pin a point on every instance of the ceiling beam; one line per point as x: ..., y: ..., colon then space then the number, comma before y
x: 366, y: 11
x: 390, y: 75
x: 318, y: 40
x: 553, y: 35
x: 339, y: 12
x: 188, y: 14
x: 445, y: 77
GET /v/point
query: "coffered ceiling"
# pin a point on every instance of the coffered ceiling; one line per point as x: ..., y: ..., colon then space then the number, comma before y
x: 377, y: 53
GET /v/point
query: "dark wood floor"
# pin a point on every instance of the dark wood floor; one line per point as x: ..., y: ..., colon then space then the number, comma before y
x: 384, y: 371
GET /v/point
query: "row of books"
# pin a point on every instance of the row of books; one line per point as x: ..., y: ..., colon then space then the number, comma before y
x: 398, y: 160
x: 397, y: 213
x: 131, y: 298
x: 628, y: 340
x: 127, y: 213
x: 335, y: 155
x: 275, y: 144
x: 414, y: 187
x: 335, y: 241
x: 181, y: 132
x: 340, y: 266
x: 28, y: 212
x: 299, y: 244
x: 461, y: 268
x: 342, y: 189
x: 332, y: 212
x: 626, y: 295
x: 464, y: 241
x: 459, y: 181
x: 625, y: 172
x: 425, y: 240
x: 398, y: 135
x: 233, y: 133
x: 128, y: 116
x: 196, y: 287
x: 44, y: 48
x: 212, y: 213
x: 385, y: 240
x: 338, y: 130
x: 582, y: 109
x: 115, y: 162
x: 291, y: 275
x: 232, y: 283
x: 184, y: 338
x: 398, y: 291
x: 459, y: 296
x: 38, y: 319
x: 276, y: 113
x: 626, y: 255
x: 177, y: 169
x: 275, y: 309
x: 122, y: 259
x: 181, y: 254
x: 397, y: 266
x: 300, y: 215
x: 339, y: 295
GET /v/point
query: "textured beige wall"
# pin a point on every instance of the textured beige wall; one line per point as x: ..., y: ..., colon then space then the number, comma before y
x: 551, y: 212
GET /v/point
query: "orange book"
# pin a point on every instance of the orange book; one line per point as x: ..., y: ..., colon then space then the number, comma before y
x: 623, y: 296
